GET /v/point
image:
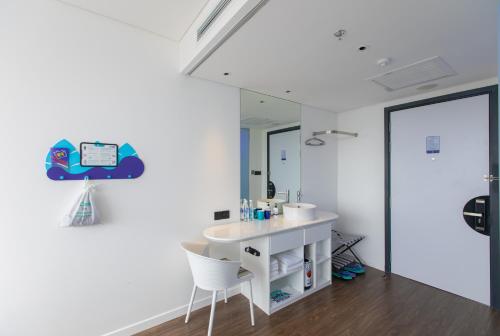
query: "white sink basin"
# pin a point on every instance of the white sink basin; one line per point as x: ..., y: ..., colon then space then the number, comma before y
x: 262, y: 203
x: 299, y: 211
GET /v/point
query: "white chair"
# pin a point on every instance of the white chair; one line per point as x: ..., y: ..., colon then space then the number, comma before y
x: 214, y: 275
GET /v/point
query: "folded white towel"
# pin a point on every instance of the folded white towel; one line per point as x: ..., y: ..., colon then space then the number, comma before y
x: 285, y: 268
x: 289, y: 259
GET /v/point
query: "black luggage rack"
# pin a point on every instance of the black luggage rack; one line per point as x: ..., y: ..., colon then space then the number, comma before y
x: 340, y: 257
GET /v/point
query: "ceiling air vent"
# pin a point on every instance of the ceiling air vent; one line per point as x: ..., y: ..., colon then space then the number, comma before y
x: 211, y: 18
x: 417, y: 73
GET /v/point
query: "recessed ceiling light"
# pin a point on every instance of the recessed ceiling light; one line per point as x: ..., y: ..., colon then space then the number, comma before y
x: 427, y: 87
x: 226, y: 73
x: 362, y: 47
x: 288, y: 91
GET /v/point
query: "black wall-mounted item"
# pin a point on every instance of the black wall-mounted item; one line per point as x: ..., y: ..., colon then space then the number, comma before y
x: 271, y: 189
x: 476, y: 214
x: 252, y: 251
x: 224, y: 214
x: 256, y: 172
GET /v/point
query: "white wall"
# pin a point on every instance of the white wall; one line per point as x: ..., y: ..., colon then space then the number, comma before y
x: 66, y: 73
x: 319, y: 164
x: 361, y: 173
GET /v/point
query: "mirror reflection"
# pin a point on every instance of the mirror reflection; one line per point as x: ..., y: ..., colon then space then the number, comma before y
x: 270, y: 150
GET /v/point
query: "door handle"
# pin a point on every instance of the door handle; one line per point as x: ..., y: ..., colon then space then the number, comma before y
x: 490, y: 178
x: 473, y: 214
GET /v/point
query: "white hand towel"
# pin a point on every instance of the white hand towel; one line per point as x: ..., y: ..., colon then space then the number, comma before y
x: 289, y: 259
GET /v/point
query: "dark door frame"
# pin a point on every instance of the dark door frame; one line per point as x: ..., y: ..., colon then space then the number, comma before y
x: 283, y: 130
x: 492, y: 91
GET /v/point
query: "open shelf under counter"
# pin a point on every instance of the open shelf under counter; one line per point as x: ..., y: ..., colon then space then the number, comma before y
x: 321, y: 259
x: 294, y: 296
x: 323, y: 283
x: 319, y: 286
x: 285, y: 274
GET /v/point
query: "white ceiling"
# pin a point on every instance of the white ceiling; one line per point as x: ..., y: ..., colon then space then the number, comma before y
x: 289, y: 45
x: 262, y: 111
x: 168, y: 18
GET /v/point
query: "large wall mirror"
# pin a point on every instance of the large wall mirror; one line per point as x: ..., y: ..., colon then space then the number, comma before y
x: 270, y: 149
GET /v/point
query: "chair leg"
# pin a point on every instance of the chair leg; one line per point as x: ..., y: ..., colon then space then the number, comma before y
x: 225, y: 295
x: 212, y: 313
x: 190, y: 304
x: 251, y: 304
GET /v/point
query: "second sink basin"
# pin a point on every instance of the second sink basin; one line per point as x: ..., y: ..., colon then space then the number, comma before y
x: 299, y: 211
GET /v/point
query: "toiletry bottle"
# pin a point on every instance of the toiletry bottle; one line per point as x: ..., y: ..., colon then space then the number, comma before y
x: 245, y: 209
x: 267, y: 211
x: 242, y: 212
x: 250, y: 211
x: 276, y: 210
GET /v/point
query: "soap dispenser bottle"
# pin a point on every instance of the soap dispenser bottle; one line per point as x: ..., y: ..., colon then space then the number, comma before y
x: 267, y: 211
x: 250, y: 211
x: 276, y: 210
x: 245, y: 210
x: 242, y: 212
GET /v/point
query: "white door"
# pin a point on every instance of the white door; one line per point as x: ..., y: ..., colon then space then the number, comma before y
x: 430, y: 241
x: 284, y: 162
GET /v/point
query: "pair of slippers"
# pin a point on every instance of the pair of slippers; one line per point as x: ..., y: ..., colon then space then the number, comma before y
x: 349, y: 272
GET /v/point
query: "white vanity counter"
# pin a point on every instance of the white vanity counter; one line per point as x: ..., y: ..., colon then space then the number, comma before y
x: 310, y: 240
x: 242, y: 231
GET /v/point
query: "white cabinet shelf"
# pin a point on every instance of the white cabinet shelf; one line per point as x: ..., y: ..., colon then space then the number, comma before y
x: 312, y: 243
x: 285, y: 274
x: 321, y: 259
x: 294, y: 296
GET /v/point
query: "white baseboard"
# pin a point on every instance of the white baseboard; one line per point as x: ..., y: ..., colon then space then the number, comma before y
x: 168, y: 315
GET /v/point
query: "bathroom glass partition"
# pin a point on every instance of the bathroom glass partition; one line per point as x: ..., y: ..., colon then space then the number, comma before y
x: 270, y: 134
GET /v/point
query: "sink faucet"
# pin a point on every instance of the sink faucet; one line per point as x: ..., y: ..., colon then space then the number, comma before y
x: 285, y: 193
x: 299, y: 196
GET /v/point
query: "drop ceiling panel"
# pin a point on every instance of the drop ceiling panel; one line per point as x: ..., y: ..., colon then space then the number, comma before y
x: 289, y: 45
x: 418, y: 73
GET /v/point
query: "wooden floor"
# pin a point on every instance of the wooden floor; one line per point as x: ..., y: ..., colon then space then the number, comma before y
x: 369, y: 305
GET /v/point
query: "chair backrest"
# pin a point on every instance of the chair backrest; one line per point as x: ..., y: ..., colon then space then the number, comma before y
x: 208, y: 273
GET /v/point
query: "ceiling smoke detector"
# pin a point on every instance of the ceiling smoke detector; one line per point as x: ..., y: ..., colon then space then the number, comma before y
x: 340, y: 34
x: 383, y: 62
